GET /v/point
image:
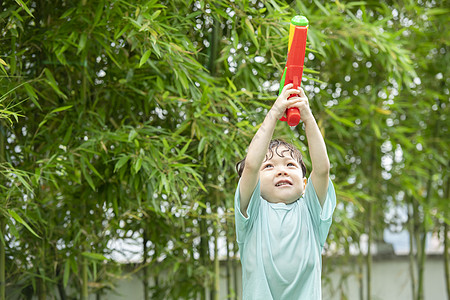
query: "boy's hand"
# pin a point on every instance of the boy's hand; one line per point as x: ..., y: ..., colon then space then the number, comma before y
x: 301, y: 102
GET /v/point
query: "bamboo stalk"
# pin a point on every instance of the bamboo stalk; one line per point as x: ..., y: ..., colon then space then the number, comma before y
x: 2, y: 261
x: 421, y: 240
x: 369, y: 254
x: 228, y: 268
x: 370, y: 208
x: 213, y: 49
x: 155, y: 277
x: 2, y: 225
x: 145, y: 268
x: 417, y: 243
x: 84, y: 279
x: 203, y: 247
x: 42, y: 289
x: 446, y: 264
x: 446, y: 258
x: 216, y: 262
x: 421, y: 265
x: 412, y: 271
x: 361, y: 274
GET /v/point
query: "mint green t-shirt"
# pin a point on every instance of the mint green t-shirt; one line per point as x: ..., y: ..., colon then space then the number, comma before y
x: 280, y: 245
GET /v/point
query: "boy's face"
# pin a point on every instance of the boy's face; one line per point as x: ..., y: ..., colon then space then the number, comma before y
x: 281, y: 178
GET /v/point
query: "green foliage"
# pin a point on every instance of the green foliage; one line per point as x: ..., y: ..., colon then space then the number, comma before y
x: 122, y: 120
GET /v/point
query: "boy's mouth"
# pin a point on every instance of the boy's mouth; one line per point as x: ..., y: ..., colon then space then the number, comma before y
x: 283, y: 183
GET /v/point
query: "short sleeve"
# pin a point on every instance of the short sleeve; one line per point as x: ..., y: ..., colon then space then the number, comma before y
x: 243, y: 224
x: 321, y: 216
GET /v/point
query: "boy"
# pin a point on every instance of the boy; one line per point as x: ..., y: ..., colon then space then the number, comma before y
x: 282, y: 220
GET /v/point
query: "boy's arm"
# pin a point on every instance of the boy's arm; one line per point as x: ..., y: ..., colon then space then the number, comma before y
x: 317, y: 150
x: 259, y: 146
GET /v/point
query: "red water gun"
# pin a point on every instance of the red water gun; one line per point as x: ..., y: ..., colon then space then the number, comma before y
x: 293, y: 71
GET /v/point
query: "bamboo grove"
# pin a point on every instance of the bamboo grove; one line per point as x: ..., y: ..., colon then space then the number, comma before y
x: 122, y: 121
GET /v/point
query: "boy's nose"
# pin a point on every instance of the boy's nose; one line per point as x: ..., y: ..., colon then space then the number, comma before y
x: 281, y: 172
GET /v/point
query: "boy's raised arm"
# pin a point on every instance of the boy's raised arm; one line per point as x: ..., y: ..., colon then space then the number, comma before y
x: 259, y: 146
x: 317, y: 150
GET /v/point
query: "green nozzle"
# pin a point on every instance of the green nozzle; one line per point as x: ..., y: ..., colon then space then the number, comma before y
x: 299, y: 21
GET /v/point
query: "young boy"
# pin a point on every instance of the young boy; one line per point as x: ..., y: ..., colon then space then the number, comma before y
x: 282, y: 219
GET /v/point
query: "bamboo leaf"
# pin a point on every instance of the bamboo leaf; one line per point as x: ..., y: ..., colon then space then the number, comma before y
x: 155, y: 14
x: 82, y: 42
x: 21, y: 221
x: 233, y: 87
x: 251, y: 32
x: 23, y: 5
x: 132, y: 135
x: 68, y: 13
x: 339, y: 119
x: 137, y: 164
x: 86, y: 175
x: 94, y: 256
x: 145, y: 57
x: 68, y: 135
x: 376, y: 129
x: 122, y: 161
x: 66, y: 273
x: 98, y: 13
x: 13, y: 229
x: 52, y: 82
x: 92, y: 168
x: 322, y: 8
x: 201, y: 145
x: 185, y: 147
x: 33, y: 96
x: 62, y: 108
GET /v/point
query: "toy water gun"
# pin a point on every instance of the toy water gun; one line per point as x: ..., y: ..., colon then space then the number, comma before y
x: 293, y: 71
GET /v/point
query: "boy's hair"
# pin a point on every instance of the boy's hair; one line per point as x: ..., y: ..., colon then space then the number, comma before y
x: 273, y: 147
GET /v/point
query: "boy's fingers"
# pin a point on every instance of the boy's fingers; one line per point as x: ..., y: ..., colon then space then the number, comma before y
x: 287, y: 86
x: 297, y: 100
x: 292, y: 91
x: 302, y: 93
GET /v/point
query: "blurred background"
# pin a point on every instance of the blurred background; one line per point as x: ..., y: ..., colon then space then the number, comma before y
x: 121, y: 123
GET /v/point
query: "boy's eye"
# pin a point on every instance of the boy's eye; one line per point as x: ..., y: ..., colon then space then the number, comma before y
x: 267, y: 166
x: 291, y: 165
